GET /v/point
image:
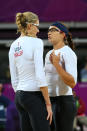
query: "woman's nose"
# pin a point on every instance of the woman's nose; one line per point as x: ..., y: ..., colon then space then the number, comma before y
x: 37, y: 30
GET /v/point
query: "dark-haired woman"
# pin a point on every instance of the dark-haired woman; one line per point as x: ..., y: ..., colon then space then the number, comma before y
x: 28, y: 76
x: 61, y: 74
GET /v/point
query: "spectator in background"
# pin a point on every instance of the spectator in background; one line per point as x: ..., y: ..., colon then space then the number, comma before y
x: 4, y: 103
x: 80, y: 105
x: 83, y: 73
x: 12, y: 123
x: 9, y: 119
x: 80, y: 118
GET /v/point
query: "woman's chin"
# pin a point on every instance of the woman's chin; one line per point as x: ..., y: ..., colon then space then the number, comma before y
x: 49, y: 40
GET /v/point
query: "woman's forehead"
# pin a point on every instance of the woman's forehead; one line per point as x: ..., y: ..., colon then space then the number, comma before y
x: 51, y: 27
x: 37, y: 22
x: 54, y: 27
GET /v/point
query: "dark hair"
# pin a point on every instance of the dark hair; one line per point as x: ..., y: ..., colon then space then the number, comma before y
x: 2, y: 88
x: 68, y: 41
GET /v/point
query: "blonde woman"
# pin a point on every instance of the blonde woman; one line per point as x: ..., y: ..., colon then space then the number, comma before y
x: 28, y: 77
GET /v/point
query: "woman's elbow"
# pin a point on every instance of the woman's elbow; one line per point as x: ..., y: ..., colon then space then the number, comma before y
x: 73, y: 84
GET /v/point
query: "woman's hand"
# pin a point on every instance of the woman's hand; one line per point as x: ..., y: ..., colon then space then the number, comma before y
x: 50, y: 113
x: 54, y: 59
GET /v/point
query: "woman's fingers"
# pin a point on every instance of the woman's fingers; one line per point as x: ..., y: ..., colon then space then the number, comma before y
x: 54, y: 58
x: 50, y: 58
x: 49, y: 116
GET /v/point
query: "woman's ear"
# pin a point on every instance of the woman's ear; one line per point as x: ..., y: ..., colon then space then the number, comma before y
x: 64, y: 35
x: 29, y: 26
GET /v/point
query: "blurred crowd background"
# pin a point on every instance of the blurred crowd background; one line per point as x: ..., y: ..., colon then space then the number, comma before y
x: 73, y: 13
